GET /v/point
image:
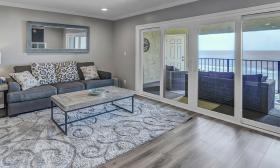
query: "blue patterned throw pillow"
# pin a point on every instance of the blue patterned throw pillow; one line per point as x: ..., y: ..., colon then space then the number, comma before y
x: 67, y: 71
x: 44, y: 73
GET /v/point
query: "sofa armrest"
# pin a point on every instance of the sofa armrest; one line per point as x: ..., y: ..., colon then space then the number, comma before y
x: 268, y: 95
x: 105, y: 75
x: 13, y: 86
x: 268, y: 82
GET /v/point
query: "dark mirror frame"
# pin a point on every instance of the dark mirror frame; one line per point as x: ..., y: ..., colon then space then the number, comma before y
x: 29, y: 48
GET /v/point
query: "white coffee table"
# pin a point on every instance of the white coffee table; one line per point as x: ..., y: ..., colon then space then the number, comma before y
x: 72, y: 102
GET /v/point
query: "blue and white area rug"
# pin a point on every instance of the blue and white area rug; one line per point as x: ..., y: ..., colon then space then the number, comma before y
x: 33, y: 140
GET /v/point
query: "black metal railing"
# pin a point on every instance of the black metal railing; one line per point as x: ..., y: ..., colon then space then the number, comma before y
x: 268, y: 68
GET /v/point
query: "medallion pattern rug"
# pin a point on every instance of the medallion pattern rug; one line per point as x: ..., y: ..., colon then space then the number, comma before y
x: 33, y: 140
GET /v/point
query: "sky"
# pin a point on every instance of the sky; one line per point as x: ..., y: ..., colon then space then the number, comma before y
x: 252, y: 41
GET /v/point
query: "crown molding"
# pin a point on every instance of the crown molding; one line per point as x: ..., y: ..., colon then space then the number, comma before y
x: 48, y: 9
x: 160, y: 7
x: 71, y: 12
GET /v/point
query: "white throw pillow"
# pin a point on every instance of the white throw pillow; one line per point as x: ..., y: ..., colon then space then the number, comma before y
x: 25, y: 79
x: 90, y: 72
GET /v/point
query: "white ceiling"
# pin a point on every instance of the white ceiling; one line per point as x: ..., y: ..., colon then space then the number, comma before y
x: 118, y: 9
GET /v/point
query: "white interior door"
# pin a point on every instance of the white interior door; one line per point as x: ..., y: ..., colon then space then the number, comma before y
x: 175, y: 51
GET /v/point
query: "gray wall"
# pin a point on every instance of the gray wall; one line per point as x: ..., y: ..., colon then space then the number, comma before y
x: 124, y: 30
x: 13, y: 35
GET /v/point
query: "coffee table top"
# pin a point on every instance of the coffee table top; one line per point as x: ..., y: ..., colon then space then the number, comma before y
x: 82, y: 99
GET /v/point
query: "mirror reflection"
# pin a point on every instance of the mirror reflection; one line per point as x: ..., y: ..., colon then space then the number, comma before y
x: 57, y: 38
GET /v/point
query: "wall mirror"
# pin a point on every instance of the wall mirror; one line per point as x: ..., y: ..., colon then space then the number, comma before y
x: 56, y: 38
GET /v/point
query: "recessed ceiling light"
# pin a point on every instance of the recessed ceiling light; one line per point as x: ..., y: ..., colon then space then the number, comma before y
x: 104, y: 9
x: 268, y: 24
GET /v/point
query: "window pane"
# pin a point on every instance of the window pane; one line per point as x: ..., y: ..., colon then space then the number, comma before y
x: 261, y: 66
x: 83, y: 43
x: 77, y: 42
x: 151, y: 62
x: 176, y: 61
x: 216, y: 68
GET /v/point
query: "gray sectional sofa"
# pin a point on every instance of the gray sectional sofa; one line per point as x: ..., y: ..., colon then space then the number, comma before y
x: 38, y: 98
x: 175, y: 79
x: 258, y: 91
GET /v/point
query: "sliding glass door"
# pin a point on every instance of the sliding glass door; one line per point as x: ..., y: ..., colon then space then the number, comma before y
x: 226, y: 67
x: 151, y: 59
x: 176, y: 64
x: 261, y: 69
x: 216, y: 67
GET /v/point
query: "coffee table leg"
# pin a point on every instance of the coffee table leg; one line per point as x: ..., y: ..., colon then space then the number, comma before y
x: 132, y: 104
x: 66, y: 123
x: 52, y: 110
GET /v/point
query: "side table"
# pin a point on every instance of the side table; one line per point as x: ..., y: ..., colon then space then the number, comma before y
x: 116, y: 81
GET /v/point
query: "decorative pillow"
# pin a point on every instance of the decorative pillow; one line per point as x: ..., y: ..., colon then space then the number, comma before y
x: 253, y: 78
x: 90, y: 72
x: 264, y: 78
x: 44, y: 73
x: 25, y: 79
x: 67, y: 71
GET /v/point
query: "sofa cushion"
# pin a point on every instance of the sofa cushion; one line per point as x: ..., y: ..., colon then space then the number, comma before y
x: 264, y: 78
x: 69, y: 87
x: 25, y: 79
x: 91, y: 84
x: 31, y: 94
x: 66, y: 71
x: 23, y: 68
x: 224, y: 75
x: 90, y: 72
x: 83, y: 64
x: 104, y: 75
x: 44, y: 73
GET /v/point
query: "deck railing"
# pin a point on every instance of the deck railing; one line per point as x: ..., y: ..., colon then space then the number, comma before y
x: 268, y: 68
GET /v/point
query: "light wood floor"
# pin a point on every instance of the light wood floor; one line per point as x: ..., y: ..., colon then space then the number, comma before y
x: 204, y: 143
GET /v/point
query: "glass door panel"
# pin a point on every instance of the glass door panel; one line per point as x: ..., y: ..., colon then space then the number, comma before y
x: 216, y: 64
x: 151, y: 61
x: 176, y: 64
x: 261, y: 69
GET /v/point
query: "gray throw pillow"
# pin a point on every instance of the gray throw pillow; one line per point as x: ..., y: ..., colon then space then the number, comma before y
x: 67, y: 71
x: 44, y: 73
x: 25, y: 79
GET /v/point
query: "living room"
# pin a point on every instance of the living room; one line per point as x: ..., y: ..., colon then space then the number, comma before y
x: 161, y: 83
